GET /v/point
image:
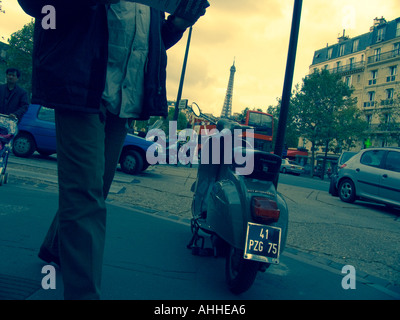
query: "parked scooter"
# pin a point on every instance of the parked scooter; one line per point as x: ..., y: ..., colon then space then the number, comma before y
x: 243, y: 215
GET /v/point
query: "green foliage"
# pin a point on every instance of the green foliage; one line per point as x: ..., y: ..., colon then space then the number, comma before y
x: 19, y: 54
x: 326, y: 114
x: 324, y: 111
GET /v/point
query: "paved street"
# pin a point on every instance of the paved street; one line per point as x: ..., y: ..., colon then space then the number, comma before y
x: 324, y: 235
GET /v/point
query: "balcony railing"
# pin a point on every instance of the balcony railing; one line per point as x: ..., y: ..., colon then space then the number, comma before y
x: 356, y: 66
x: 369, y: 104
x: 384, y: 128
x: 384, y: 56
x: 384, y: 103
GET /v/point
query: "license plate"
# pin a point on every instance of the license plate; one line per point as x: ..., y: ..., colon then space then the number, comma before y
x: 262, y: 243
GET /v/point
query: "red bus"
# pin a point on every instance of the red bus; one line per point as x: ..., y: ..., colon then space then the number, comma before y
x: 263, y: 124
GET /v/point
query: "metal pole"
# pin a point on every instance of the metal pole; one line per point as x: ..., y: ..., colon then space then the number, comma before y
x: 178, y: 98
x: 287, y: 87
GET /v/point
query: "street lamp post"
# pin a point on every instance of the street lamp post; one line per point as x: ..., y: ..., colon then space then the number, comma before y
x: 287, y: 87
x: 179, y: 96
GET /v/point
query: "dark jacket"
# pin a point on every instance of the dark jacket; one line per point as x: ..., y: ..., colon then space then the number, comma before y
x: 70, y: 62
x: 17, y: 102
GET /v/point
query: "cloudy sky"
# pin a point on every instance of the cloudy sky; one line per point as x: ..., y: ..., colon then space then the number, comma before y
x: 255, y: 34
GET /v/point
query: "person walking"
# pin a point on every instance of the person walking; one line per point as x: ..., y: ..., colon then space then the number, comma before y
x: 13, y: 99
x: 71, y: 64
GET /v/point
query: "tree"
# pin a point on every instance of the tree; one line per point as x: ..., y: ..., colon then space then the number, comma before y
x: 19, y: 54
x: 292, y: 131
x: 326, y: 114
x: 1, y: 7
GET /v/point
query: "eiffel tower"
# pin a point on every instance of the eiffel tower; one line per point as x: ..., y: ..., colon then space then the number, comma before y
x: 227, y: 108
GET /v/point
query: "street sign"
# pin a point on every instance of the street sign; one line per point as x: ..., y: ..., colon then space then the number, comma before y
x: 183, y: 104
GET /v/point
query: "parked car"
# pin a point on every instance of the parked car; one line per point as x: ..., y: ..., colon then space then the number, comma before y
x: 37, y: 133
x: 372, y: 174
x: 344, y: 157
x: 289, y: 166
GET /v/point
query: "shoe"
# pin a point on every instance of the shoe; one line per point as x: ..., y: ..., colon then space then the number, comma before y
x: 48, y: 257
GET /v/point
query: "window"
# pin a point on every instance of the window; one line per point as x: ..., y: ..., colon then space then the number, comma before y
x: 396, y: 49
x: 371, y: 99
x: 368, y: 118
x: 398, y: 29
x: 381, y: 34
x: 348, y: 81
x: 387, y: 118
x: 389, y: 93
x: 351, y: 63
x: 377, y: 54
x: 338, y: 65
x: 389, y: 98
x: 46, y: 114
x: 330, y: 51
x: 371, y: 96
x: 374, y: 76
x: 392, y: 74
x: 355, y: 45
x: 393, y: 161
x: 341, y: 50
x: 372, y: 158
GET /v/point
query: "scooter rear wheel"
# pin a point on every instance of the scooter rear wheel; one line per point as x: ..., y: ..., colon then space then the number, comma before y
x: 240, y: 273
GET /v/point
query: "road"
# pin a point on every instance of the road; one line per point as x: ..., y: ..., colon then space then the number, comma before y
x: 304, y: 182
x: 324, y: 233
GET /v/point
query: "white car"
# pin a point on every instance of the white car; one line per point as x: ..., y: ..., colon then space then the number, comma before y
x: 289, y: 166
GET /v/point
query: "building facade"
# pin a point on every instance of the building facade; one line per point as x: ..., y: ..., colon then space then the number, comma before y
x: 370, y: 64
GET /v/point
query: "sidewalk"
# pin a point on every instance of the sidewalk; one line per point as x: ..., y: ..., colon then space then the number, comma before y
x: 146, y: 259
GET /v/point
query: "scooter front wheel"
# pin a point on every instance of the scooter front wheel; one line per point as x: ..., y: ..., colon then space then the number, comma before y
x: 240, y: 273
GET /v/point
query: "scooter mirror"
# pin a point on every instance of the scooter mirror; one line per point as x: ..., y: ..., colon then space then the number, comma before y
x: 196, y: 109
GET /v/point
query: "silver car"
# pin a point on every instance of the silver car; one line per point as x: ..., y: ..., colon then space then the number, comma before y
x: 372, y: 174
x: 289, y: 166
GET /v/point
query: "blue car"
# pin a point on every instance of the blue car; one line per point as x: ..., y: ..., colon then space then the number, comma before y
x: 37, y: 132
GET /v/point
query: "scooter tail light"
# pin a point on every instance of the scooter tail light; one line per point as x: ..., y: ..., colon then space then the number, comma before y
x: 265, y: 209
x: 343, y: 166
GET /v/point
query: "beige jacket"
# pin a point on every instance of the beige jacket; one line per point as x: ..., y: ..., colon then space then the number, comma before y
x: 128, y: 25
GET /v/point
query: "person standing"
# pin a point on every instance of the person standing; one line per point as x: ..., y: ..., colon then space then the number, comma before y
x: 13, y: 99
x: 70, y: 66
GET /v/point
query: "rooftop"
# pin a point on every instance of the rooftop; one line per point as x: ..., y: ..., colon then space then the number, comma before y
x: 380, y: 31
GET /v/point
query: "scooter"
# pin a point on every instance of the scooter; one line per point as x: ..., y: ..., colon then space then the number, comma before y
x: 242, y: 216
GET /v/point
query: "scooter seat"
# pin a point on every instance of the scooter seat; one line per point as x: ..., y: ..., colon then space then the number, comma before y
x: 266, y: 165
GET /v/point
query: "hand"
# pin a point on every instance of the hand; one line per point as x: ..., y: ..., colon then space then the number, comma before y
x: 179, y: 23
x: 191, y: 10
